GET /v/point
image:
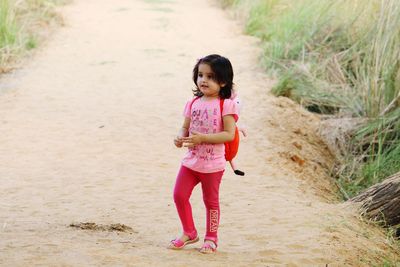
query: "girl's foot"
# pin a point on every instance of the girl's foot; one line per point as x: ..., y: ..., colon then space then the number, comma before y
x: 209, y: 247
x: 181, y: 242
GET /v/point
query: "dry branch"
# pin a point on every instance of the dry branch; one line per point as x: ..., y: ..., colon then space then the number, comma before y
x: 382, y: 201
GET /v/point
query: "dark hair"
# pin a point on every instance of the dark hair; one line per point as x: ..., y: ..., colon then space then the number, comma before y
x: 222, y: 68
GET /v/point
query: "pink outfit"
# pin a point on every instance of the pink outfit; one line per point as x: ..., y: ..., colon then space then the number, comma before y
x: 205, y: 164
x: 206, y: 118
x: 186, y: 180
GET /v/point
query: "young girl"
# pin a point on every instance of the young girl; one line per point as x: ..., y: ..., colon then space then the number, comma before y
x: 204, y: 132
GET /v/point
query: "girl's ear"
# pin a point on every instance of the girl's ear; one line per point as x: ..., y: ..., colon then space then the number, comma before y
x: 222, y: 84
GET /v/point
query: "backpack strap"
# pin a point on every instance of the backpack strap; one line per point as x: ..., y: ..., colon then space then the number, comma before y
x: 221, y: 108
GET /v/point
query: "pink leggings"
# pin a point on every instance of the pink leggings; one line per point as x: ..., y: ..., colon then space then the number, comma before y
x: 186, y: 180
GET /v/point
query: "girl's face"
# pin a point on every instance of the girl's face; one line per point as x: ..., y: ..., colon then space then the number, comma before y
x: 206, y: 81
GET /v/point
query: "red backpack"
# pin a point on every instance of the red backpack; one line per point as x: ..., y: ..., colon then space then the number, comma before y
x: 231, y: 147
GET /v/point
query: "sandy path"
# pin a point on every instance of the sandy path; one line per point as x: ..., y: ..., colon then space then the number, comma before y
x: 86, y: 136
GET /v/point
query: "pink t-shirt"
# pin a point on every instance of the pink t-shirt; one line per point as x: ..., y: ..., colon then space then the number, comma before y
x: 205, y: 117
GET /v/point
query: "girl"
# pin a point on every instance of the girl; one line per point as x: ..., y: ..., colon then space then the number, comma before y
x: 210, y: 121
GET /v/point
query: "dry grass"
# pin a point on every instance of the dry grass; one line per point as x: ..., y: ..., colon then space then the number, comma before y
x: 23, y: 25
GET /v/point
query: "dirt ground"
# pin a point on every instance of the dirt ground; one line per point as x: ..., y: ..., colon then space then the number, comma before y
x: 88, y: 162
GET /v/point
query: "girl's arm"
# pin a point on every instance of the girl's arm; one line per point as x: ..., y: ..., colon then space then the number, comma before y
x: 183, y: 132
x: 228, y: 134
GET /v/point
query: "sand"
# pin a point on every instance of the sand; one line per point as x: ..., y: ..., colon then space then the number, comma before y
x: 87, y: 128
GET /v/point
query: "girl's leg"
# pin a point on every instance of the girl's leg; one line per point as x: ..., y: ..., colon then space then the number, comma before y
x: 210, y: 184
x: 185, y: 182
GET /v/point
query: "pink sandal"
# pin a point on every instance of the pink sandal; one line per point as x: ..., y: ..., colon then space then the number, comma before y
x: 208, y: 248
x: 179, y: 244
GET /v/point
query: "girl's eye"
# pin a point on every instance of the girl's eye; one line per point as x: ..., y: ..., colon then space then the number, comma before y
x: 209, y: 76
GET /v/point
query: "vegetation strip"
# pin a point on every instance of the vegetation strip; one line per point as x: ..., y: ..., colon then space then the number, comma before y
x: 22, y: 26
x: 339, y: 59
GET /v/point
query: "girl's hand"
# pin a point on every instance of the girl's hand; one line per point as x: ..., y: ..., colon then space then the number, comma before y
x: 195, y: 139
x: 178, y: 141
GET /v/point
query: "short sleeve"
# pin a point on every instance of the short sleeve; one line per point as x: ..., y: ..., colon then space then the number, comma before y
x: 186, y: 111
x: 231, y: 108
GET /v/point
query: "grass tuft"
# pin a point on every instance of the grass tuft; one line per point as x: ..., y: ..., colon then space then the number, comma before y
x: 22, y: 24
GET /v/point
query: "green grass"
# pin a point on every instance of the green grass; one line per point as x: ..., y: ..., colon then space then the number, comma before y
x: 21, y: 24
x: 341, y: 58
x: 8, y: 30
x: 376, y: 154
